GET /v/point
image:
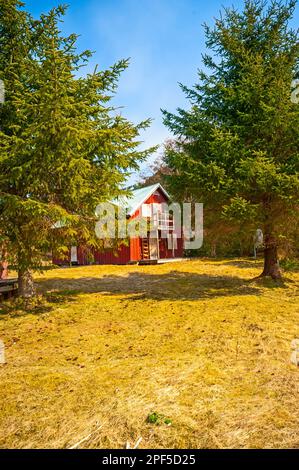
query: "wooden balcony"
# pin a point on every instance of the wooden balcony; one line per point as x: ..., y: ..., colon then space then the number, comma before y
x: 162, y: 221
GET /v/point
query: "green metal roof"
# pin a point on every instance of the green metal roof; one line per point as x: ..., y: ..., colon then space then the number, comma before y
x: 138, y: 197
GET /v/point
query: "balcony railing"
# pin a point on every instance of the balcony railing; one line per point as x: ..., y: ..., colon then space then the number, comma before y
x: 162, y: 221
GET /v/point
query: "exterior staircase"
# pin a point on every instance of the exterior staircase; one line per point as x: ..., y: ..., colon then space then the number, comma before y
x: 146, y: 253
x: 145, y: 249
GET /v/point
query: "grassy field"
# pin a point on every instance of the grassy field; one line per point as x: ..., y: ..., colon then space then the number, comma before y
x: 194, y: 342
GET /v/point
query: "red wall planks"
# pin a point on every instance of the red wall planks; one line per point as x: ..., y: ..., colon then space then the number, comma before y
x: 125, y: 253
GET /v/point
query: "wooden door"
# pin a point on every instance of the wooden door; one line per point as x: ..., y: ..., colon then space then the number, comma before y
x: 153, y: 248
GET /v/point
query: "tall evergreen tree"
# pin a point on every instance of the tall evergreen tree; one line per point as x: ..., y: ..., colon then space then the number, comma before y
x: 238, y: 146
x: 63, y: 148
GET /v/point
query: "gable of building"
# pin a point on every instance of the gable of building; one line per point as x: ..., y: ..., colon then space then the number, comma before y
x: 139, y: 197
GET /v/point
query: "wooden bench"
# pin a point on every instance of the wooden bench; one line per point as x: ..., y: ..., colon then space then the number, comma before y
x: 8, y: 287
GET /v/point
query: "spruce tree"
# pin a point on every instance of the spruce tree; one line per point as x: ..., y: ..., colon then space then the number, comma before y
x: 238, y: 145
x: 63, y: 147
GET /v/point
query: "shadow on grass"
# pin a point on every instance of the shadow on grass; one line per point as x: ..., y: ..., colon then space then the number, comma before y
x: 175, y: 285
x: 291, y: 266
x: 41, y: 304
x: 249, y: 263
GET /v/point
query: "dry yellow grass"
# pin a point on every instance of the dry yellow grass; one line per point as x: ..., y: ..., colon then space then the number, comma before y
x: 193, y: 341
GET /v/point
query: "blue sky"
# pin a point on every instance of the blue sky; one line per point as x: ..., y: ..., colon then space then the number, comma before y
x: 163, y: 38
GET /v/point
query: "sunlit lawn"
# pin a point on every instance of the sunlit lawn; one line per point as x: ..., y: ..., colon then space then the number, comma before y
x: 192, y: 341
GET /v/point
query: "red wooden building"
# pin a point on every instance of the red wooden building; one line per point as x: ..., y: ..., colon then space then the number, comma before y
x: 145, y: 202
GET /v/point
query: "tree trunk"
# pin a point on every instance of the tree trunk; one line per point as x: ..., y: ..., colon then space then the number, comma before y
x: 3, y: 265
x: 3, y: 270
x: 271, y: 265
x: 26, y: 284
x: 213, y: 250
